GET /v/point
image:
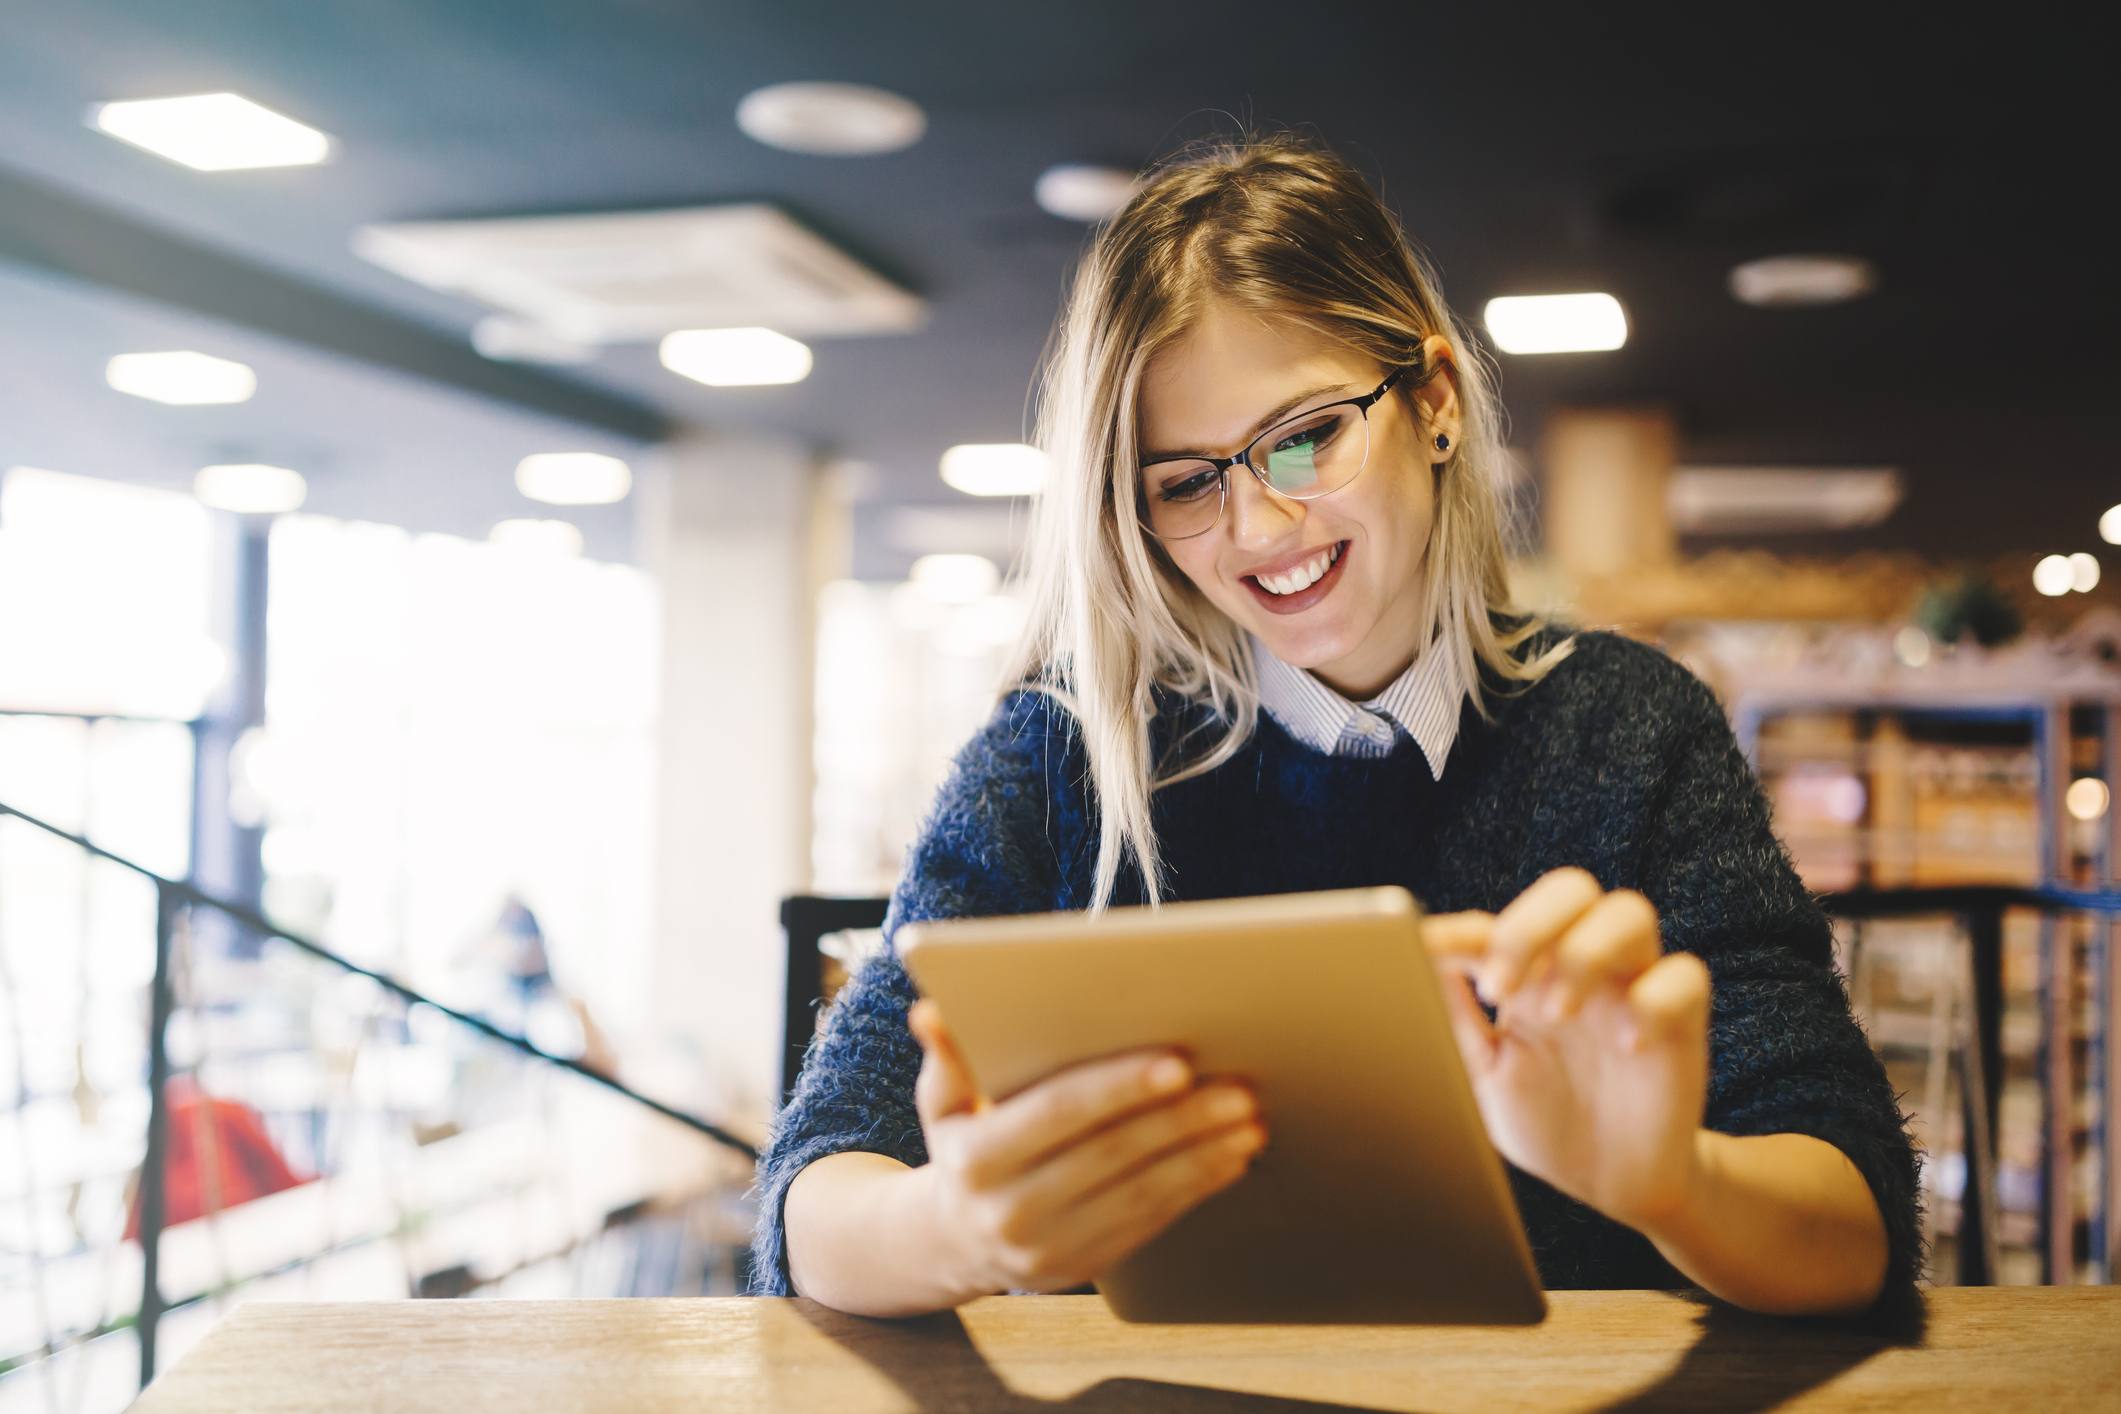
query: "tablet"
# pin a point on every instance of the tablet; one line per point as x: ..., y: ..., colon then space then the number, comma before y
x: 1378, y: 1199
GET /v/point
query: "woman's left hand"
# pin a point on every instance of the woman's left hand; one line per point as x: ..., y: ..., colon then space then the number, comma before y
x: 1594, y: 1074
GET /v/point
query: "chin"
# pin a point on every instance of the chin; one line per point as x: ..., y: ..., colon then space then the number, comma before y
x: 1305, y: 646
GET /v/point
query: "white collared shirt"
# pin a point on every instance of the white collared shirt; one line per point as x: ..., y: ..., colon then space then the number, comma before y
x: 1424, y: 702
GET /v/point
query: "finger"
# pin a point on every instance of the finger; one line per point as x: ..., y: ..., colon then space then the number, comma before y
x: 944, y: 1085
x: 1059, y: 1110
x: 1123, y: 1216
x: 1461, y: 937
x: 1532, y: 923
x: 1669, y: 1002
x: 1111, y: 1248
x: 1112, y: 1154
x: 1616, y: 941
x: 1470, y: 1026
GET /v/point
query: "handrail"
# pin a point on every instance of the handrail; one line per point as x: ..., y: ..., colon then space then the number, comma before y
x: 1960, y: 898
x: 259, y: 923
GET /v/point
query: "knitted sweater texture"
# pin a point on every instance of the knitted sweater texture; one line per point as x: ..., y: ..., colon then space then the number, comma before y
x: 1619, y: 761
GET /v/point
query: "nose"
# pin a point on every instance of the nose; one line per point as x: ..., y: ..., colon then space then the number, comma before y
x: 1258, y: 517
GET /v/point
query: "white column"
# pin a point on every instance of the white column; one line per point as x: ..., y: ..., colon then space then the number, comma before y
x: 729, y: 530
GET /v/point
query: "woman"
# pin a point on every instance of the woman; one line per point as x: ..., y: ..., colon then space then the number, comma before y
x: 1269, y: 651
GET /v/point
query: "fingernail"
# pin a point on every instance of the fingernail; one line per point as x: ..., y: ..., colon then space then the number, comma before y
x: 1168, y: 1074
x: 1230, y: 1105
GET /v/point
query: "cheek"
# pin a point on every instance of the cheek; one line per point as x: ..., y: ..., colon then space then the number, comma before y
x: 1196, y: 561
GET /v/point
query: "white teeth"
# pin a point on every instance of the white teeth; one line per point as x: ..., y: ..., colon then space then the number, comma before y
x: 1304, y: 575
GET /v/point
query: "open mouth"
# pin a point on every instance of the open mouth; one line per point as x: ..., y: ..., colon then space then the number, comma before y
x: 1298, y: 589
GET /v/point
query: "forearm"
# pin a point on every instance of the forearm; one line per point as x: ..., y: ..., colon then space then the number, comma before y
x: 1778, y: 1223
x: 863, y: 1237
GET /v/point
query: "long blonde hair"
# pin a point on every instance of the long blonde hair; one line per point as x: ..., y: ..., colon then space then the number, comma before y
x: 1282, y: 226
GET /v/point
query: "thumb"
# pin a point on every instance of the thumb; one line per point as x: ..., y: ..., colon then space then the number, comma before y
x: 1470, y: 1026
x: 945, y: 1086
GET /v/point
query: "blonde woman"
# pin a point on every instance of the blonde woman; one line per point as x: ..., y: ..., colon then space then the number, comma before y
x: 1270, y: 650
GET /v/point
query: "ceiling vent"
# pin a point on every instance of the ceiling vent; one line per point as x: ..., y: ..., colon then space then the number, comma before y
x: 631, y: 276
x: 1728, y: 500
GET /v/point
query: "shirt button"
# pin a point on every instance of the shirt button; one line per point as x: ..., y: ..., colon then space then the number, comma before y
x: 1376, y: 728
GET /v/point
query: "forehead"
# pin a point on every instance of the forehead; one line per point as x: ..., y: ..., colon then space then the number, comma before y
x: 1206, y: 389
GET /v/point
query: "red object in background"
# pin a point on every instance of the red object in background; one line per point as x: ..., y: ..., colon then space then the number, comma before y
x: 237, y: 1164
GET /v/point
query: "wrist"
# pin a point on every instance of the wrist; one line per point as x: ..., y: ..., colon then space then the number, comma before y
x: 1683, y: 1212
x: 955, y: 1272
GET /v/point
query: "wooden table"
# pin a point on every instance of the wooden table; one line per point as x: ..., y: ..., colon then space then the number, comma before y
x: 2038, y: 1348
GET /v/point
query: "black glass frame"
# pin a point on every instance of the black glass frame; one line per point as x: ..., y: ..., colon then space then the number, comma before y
x: 1222, y: 465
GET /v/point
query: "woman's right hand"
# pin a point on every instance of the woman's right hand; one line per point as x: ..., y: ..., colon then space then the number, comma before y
x: 1048, y: 1189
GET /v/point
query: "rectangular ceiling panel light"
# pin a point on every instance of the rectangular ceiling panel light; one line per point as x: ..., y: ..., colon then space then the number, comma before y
x: 212, y: 132
x: 1540, y: 324
x: 1726, y: 500
x: 736, y: 358
x: 995, y: 469
x: 181, y: 378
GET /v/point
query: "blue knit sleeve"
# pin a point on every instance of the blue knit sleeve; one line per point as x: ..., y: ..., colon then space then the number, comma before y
x: 1001, y: 838
x: 1786, y: 1054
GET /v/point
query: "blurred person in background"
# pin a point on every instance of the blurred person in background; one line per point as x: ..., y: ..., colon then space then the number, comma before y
x: 510, y: 970
x: 1271, y: 650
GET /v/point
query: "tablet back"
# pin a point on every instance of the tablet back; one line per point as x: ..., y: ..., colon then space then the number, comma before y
x: 1378, y: 1198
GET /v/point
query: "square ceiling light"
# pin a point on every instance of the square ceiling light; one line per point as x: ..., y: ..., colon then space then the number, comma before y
x: 212, y: 132
x: 635, y: 276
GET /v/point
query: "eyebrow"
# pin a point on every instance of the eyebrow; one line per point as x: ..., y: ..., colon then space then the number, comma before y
x: 1272, y: 416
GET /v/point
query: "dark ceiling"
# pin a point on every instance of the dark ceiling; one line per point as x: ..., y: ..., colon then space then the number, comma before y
x: 1640, y: 150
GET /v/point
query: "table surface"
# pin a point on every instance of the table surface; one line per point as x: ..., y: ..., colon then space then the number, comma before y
x: 2043, y: 1348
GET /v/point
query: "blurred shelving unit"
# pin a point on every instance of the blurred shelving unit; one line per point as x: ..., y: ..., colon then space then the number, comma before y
x: 1970, y: 770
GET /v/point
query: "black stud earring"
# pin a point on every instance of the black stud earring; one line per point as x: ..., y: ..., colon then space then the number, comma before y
x: 1443, y: 443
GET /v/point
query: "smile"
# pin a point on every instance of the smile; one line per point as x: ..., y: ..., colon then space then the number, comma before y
x: 1300, y: 586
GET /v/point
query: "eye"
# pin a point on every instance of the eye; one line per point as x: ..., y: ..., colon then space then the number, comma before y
x: 1314, y: 434
x: 1189, y: 488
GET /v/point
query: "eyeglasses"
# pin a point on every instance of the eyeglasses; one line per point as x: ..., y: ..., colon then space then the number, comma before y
x: 1309, y: 455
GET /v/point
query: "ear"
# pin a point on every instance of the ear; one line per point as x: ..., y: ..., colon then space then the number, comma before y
x: 1437, y: 398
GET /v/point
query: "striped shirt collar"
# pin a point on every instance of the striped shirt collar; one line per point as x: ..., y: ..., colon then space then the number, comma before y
x: 1424, y: 701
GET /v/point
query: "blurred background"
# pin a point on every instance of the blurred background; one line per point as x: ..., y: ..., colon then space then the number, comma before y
x: 506, y: 509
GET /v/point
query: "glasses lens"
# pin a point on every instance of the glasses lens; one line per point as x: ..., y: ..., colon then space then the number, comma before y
x: 1313, y: 454
x: 1184, y: 498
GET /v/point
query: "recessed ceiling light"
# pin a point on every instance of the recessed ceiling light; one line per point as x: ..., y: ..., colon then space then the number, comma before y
x: 556, y: 538
x: 736, y: 358
x: 1538, y: 324
x: 2054, y: 577
x: 182, y: 378
x: 995, y: 469
x: 955, y: 579
x: 831, y: 119
x: 250, y: 488
x: 2083, y: 572
x: 573, y: 478
x: 1802, y: 279
x: 1075, y: 191
x: 212, y: 132
x: 2110, y: 525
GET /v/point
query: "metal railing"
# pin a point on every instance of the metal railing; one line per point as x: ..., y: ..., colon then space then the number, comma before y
x: 1978, y: 1055
x: 175, y: 901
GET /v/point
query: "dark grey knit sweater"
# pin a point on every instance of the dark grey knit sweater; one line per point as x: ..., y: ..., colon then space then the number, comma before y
x: 1620, y: 761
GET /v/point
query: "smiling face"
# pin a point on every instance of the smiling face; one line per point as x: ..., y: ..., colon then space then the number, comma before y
x: 1357, y: 624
